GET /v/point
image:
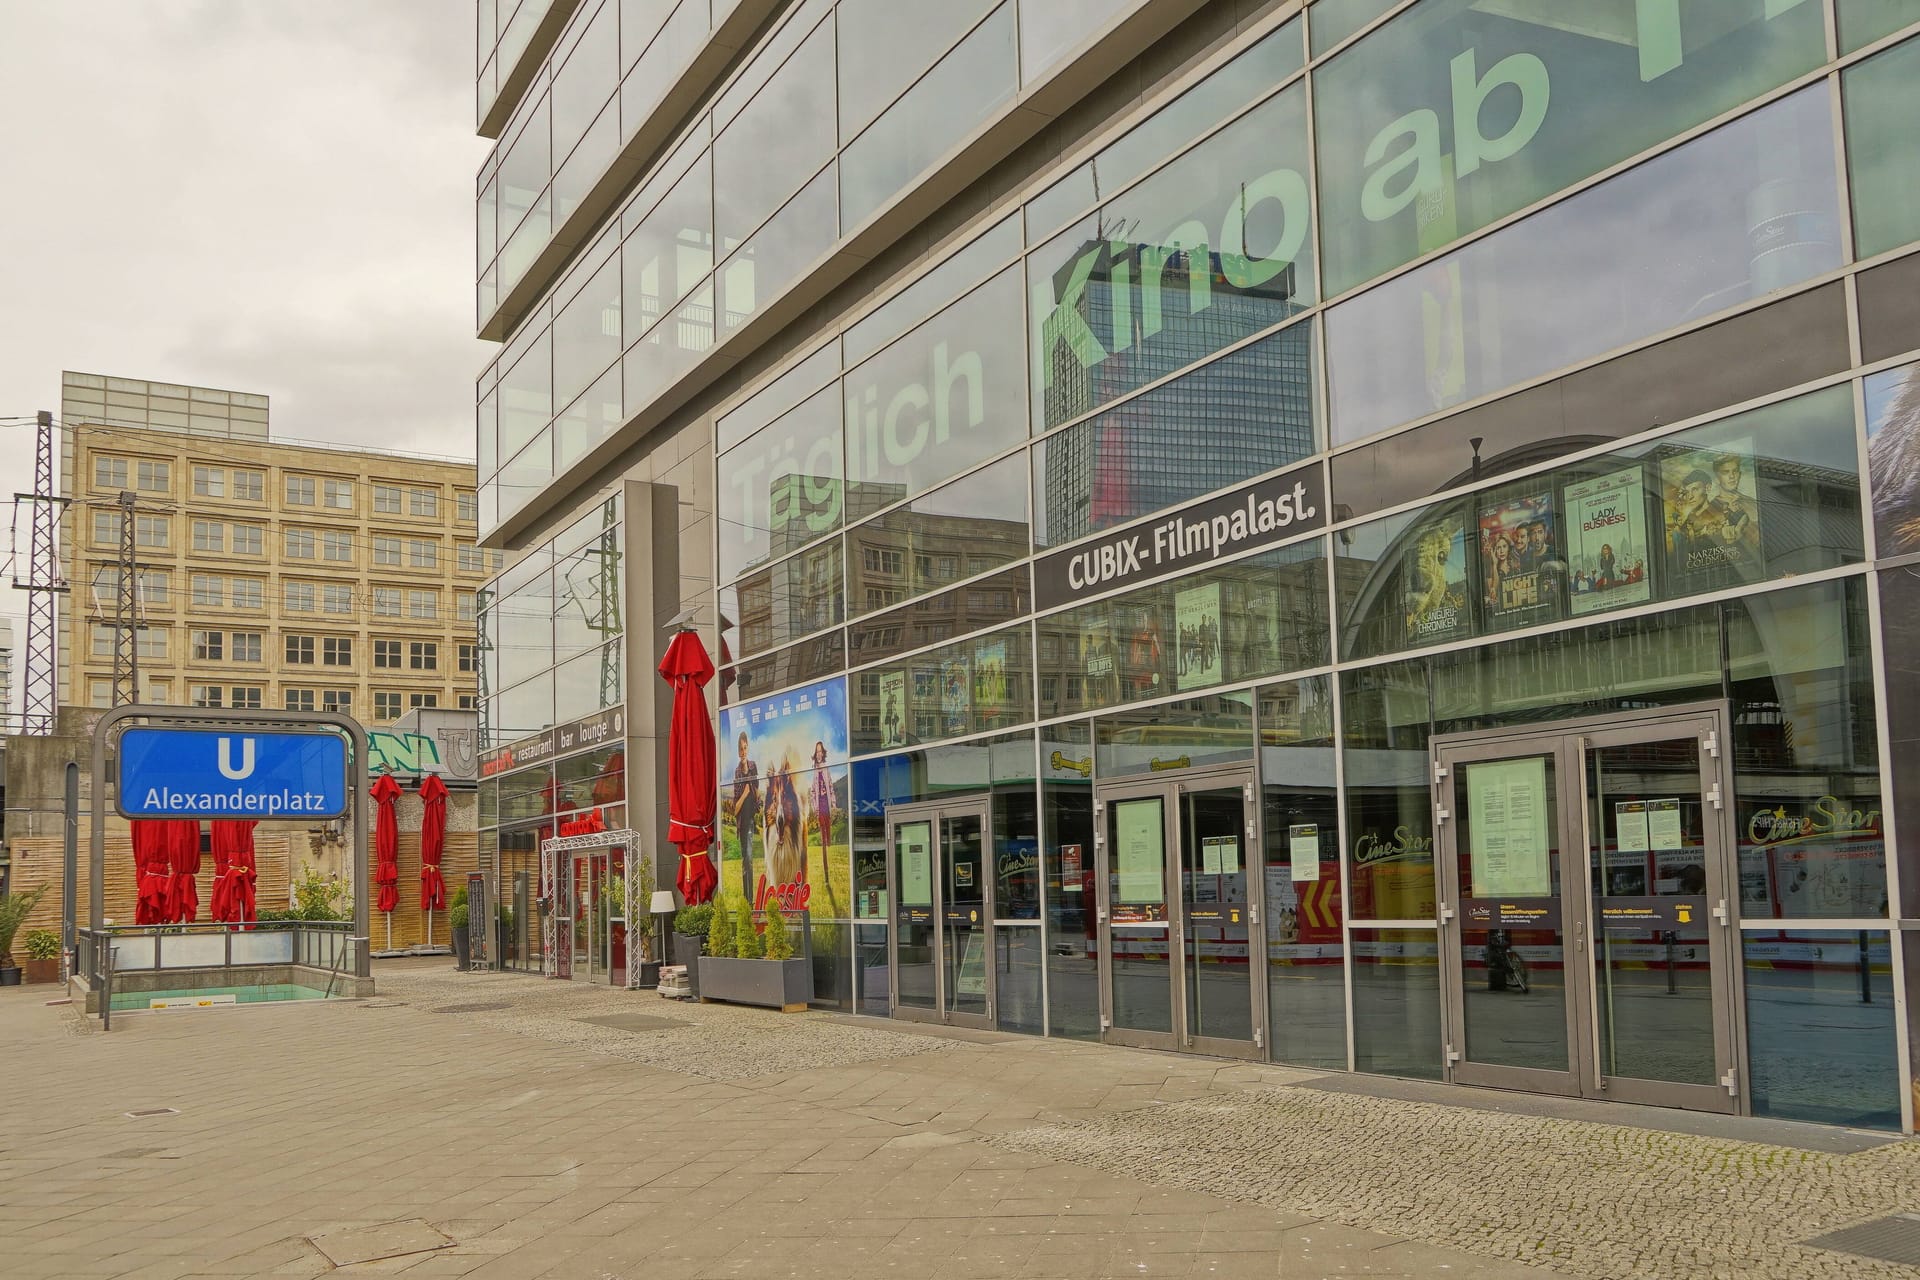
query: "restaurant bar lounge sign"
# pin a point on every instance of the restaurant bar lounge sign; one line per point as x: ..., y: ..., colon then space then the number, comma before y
x: 1253, y: 516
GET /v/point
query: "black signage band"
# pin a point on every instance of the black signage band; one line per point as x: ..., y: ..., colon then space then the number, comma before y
x: 1256, y: 515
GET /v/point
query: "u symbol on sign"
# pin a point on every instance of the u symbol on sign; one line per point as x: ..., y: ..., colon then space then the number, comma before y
x: 246, y: 759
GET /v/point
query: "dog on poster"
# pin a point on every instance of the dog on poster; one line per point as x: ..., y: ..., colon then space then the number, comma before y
x: 786, y: 828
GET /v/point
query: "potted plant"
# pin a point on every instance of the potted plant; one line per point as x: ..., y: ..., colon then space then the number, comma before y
x: 14, y: 910
x: 690, y: 927
x: 761, y: 969
x: 42, y: 948
x: 457, y: 919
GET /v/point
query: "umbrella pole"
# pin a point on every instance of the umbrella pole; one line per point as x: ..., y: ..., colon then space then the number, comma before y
x: 389, y: 916
x: 429, y: 926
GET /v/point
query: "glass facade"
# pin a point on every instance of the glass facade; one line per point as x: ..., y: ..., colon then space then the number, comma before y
x: 1352, y: 403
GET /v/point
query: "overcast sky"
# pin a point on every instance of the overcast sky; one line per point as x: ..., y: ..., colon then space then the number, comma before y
x: 263, y: 195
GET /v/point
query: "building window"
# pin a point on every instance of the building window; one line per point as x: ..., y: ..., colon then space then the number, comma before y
x: 339, y: 495
x: 106, y: 528
x: 155, y: 586
x: 386, y: 653
x: 423, y: 700
x: 209, y: 591
x: 336, y: 651
x: 110, y: 473
x: 245, y: 697
x: 337, y: 599
x: 250, y: 486
x: 386, y: 602
x: 464, y: 702
x: 298, y: 699
x: 466, y: 657
x: 338, y: 547
x: 151, y: 642
x: 209, y: 535
x: 422, y: 553
x: 299, y: 544
x: 246, y: 646
x: 386, y: 551
x: 463, y: 605
x: 153, y: 477
x: 386, y: 705
x: 299, y: 650
x: 386, y: 499
x: 336, y: 700
x: 470, y: 559
x: 423, y: 655
x: 249, y: 593
x: 249, y: 540
x: 102, y: 640
x: 204, y: 695
x: 300, y: 491
x: 297, y: 597
x: 209, y: 482
x: 153, y: 531
x: 880, y: 560
x: 466, y: 507
x: 209, y: 646
x: 100, y: 692
x: 423, y: 604
x: 423, y: 502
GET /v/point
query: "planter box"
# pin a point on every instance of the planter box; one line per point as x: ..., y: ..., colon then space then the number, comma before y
x: 42, y: 970
x: 786, y: 985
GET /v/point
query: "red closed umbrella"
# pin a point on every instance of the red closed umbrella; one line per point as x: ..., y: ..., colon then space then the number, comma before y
x: 433, y: 843
x: 386, y: 845
x: 693, y: 787
x: 183, y: 858
x: 151, y: 865
x: 233, y: 871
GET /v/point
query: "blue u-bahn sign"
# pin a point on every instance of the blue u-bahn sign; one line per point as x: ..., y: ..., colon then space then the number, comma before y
x: 238, y: 773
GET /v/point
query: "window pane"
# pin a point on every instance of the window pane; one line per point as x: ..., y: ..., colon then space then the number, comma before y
x: 1335, y: 20
x: 929, y: 119
x: 777, y: 142
x: 1215, y: 251
x: 775, y: 254
x: 1820, y: 1029
x: 884, y: 45
x: 1864, y: 21
x: 588, y: 78
x: 586, y: 334
x: 526, y: 397
x: 1450, y: 117
x: 670, y: 252
x: 1396, y: 1002
x: 790, y: 598
x: 944, y: 397
x: 1049, y: 28
x: 959, y: 530
x: 964, y: 688
x: 1658, y: 246
x: 783, y: 488
x: 1883, y: 152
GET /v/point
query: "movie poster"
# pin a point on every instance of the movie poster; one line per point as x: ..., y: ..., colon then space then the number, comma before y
x: 1607, y: 542
x: 1436, y: 578
x: 1520, y: 565
x: 1893, y: 458
x: 783, y: 801
x: 956, y: 696
x: 1101, y: 662
x: 894, y: 711
x: 1712, y: 518
x: 990, y: 680
x: 1196, y: 619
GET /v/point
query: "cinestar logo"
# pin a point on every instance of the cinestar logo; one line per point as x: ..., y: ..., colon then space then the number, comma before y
x: 1092, y: 567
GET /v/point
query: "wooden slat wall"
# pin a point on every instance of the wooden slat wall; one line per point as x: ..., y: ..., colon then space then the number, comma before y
x: 462, y: 856
x: 38, y: 860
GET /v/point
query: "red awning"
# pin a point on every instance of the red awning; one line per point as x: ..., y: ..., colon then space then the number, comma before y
x: 386, y: 844
x: 231, y: 840
x: 152, y: 864
x: 433, y: 843
x: 692, y: 783
x: 183, y: 860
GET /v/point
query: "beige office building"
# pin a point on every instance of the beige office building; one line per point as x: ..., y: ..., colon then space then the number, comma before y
x: 269, y: 574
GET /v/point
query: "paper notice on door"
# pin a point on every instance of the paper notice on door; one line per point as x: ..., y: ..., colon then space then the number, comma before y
x: 1139, y: 852
x: 1663, y: 824
x: 1220, y: 856
x: 1303, y: 851
x: 1507, y: 822
x: 1070, y: 868
x: 914, y: 841
x: 1209, y: 857
x: 1630, y: 826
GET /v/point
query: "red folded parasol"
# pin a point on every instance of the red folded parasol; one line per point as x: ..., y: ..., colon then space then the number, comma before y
x: 386, y: 843
x: 692, y: 783
x: 151, y: 865
x: 233, y: 872
x: 183, y: 859
x: 433, y: 843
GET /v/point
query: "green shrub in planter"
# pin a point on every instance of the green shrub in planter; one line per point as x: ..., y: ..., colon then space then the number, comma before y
x: 746, y: 939
x: 42, y: 944
x: 720, y: 932
x: 696, y: 921
x: 777, y: 942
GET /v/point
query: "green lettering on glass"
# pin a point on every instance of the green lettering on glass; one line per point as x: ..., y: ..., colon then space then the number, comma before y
x: 904, y: 433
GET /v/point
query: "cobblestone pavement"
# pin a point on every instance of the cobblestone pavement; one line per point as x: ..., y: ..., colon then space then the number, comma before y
x: 502, y: 1127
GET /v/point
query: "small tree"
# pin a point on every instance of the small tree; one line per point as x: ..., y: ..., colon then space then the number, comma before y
x: 14, y: 910
x: 778, y: 942
x: 746, y: 939
x: 318, y: 897
x: 720, y: 931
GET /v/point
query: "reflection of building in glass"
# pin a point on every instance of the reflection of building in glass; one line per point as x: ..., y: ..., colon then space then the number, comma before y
x: 1242, y: 415
x: 908, y: 553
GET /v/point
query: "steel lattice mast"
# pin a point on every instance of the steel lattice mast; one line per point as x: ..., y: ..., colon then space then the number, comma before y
x: 42, y: 583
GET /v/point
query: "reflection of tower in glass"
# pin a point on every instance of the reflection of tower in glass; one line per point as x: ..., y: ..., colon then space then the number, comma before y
x: 1247, y: 413
x: 1790, y: 232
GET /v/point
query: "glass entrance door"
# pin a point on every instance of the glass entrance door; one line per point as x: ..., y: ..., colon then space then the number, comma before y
x: 1585, y: 918
x: 1179, y: 916
x: 943, y: 913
